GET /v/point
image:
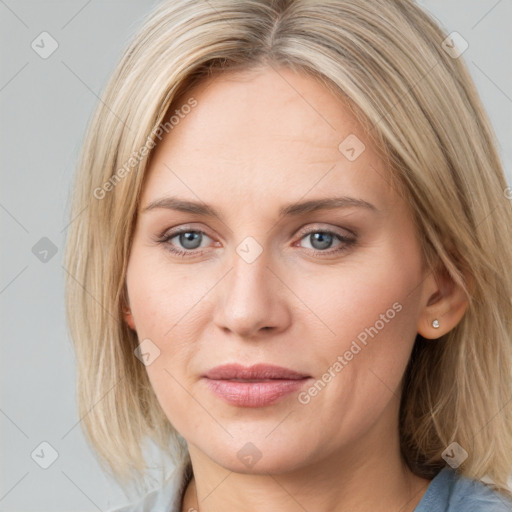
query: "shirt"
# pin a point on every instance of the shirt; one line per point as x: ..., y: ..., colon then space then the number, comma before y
x: 447, y: 492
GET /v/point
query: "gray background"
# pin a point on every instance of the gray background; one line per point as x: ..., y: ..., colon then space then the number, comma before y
x: 45, y: 106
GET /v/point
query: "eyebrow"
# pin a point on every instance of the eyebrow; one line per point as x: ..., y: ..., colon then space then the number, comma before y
x: 292, y: 209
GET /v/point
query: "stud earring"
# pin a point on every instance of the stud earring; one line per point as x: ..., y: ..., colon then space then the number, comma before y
x: 435, y: 324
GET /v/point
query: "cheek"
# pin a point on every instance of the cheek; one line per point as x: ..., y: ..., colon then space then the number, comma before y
x: 365, y: 298
x: 161, y: 297
x: 365, y: 311
x: 162, y: 307
x: 167, y: 307
x: 362, y: 346
x: 376, y: 292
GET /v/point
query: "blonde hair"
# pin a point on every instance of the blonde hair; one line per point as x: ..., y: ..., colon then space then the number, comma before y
x: 420, y: 107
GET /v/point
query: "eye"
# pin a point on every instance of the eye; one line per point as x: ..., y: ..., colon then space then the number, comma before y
x: 189, y: 239
x: 188, y: 242
x: 322, y: 240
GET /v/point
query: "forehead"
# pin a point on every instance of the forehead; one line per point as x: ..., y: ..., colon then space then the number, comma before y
x: 263, y: 133
x: 265, y: 102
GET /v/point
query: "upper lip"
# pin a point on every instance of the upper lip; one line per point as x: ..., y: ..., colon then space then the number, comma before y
x: 256, y: 372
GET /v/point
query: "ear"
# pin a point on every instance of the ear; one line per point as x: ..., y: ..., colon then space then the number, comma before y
x: 128, y: 317
x: 443, y: 300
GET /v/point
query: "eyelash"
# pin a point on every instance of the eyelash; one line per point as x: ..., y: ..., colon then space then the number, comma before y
x: 346, y: 242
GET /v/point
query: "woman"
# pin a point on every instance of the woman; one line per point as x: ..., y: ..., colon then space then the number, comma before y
x: 287, y: 264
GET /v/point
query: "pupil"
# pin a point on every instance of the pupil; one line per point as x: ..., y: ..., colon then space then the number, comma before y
x: 323, y: 239
x: 187, y: 239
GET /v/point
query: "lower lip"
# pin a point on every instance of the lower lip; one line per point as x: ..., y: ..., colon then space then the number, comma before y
x: 254, y: 394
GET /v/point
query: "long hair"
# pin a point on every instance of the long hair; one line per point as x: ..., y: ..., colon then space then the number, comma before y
x: 416, y: 99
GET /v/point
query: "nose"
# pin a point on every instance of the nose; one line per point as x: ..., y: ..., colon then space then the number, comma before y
x: 252, y: 299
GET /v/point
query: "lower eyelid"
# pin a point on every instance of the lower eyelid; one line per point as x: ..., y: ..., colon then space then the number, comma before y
x: 345, y: 241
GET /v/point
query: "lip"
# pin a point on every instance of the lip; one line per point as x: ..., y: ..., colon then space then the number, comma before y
x: 254, y: 386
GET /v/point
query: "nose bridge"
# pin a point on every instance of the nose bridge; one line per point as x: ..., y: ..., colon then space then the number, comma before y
x: 249, y: 298
x: 250, y: 280
x: 250, y: 273
x: 251, y: 255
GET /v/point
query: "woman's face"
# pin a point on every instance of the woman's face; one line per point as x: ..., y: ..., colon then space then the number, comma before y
x: 333, y: 295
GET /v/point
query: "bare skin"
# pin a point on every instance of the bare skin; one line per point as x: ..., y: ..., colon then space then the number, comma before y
x: 255, y: 143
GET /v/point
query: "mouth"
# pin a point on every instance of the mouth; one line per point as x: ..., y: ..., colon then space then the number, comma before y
x: 255, y: 386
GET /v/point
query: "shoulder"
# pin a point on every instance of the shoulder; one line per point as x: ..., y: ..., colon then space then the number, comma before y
x: 451, y: 492
x: 475, y: 496
x: 167, y: 498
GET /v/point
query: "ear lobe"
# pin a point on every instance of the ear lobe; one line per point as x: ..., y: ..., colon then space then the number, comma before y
x: 444, y: 301
x: 128, y: 317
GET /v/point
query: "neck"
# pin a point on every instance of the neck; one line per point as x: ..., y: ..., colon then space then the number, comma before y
x: 365, y: 477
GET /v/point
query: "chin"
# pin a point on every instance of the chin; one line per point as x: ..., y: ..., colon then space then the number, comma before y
x: 258, y: 457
